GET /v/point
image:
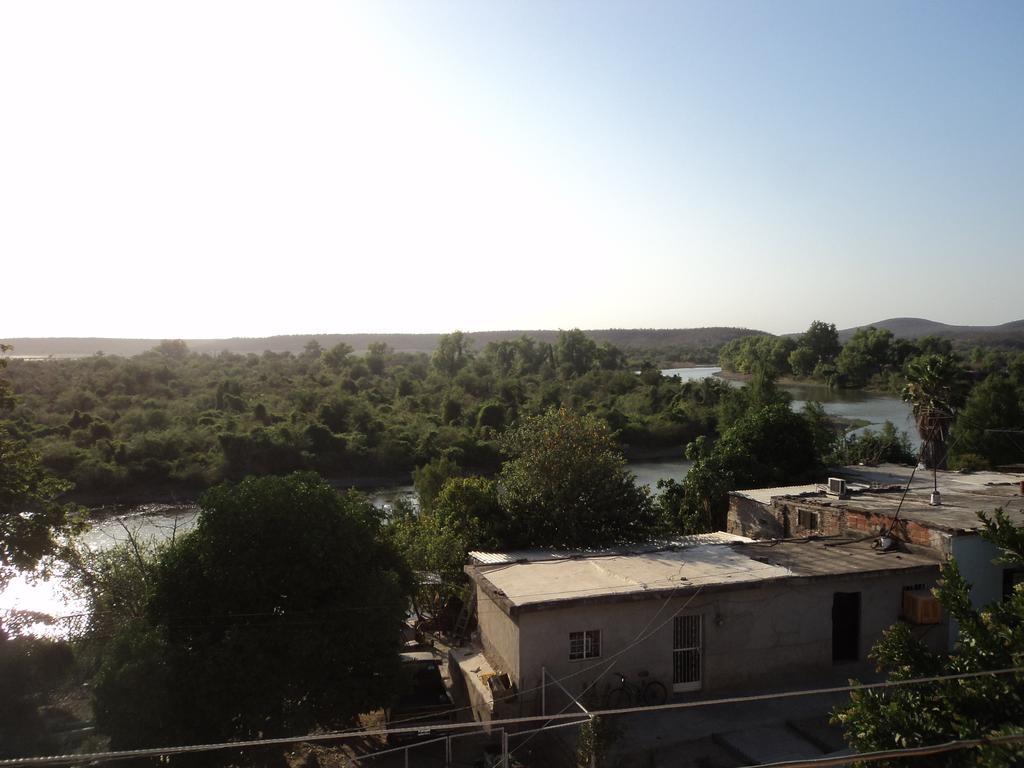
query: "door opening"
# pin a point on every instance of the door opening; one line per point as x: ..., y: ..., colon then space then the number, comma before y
x: 687, y: 652
x: 845, y: 626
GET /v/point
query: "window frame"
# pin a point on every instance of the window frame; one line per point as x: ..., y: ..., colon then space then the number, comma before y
x: 589, y: 647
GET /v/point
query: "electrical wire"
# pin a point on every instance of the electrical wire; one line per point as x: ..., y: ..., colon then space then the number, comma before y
x: 452, y: 727
x: 888, y: 754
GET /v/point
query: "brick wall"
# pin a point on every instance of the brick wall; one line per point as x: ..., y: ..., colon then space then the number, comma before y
x: 827, y: 520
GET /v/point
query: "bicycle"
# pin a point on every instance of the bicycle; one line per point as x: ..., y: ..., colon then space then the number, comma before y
x: 650, y: 692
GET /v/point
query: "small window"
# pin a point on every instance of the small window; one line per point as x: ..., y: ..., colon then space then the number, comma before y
x: 807, y: 519
x: 585, y: 645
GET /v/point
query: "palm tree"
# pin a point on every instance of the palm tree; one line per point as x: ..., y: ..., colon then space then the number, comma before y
x: 936, y: 387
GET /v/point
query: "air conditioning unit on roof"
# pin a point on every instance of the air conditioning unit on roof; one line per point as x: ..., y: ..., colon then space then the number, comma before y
x: 837, y: 487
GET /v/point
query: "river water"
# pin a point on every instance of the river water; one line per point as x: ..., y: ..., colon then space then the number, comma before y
x: 876, y: 408
x: 161, y: 521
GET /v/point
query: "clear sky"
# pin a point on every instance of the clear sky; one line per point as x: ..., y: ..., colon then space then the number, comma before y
x: 207, y: 169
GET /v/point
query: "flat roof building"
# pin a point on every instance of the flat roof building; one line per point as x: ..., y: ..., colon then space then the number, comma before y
x: 713, y: 612
x: 898, y: 500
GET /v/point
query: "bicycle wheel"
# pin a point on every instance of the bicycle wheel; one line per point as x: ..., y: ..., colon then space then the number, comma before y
x: 619, y: 698
x: 655, y: 693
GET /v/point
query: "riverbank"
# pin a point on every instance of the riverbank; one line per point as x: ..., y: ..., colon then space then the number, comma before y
x: 793, y: 381
x: 184, y: 495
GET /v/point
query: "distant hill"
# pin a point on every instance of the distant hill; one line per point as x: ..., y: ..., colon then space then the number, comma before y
x: 625, y: 338
x: 1008, y: 334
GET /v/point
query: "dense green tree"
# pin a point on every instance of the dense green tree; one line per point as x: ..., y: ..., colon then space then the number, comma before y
x: 987, y: 639
x: 990, y: 427
x: 431, y: 477
x: 465, y: 515
x: 868, y: 353
x: 566, y: 485
x: 936, y: 388
x: 822, y: 339
x: 768, y: 446
x: 32, y: 518
x: 279, y: 613
x: 871, y: 447
x: 33, y: 526
x: 576, y: 352
x: 175, y: 421
x: 335, y: 358
x: 750, y: 353
x: 817, y: 347
x: 454, y: 351
x: 803, y: 361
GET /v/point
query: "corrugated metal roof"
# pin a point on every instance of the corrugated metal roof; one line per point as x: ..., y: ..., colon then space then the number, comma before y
x: 765, y: 495
x: 566, y: 580
x: 537, y: 555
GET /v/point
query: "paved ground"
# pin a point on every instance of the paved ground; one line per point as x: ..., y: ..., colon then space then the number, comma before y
x: 719, y: 736
x: 709, y: 736
x: 730, y: 735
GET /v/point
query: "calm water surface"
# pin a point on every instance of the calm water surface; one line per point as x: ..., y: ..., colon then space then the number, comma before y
x: 873, y: 407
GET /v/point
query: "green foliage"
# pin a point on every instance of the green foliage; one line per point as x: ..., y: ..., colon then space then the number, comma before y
x: 32, y: 519
x: 431, y: 477
x: 566, y: 485
x: 172, y: 419
x: 575, y: 352
x: 30, y: 668
x: 817, y: 348
x: 279, y: 613
x: 454, y: 351
x: 868, y: 354
x: 983, y: 432
x: 988, y: 639
x: 464, y: 516
x: 936, y: 388
x: 870, y: 448
x: 748, y: 354
x: 768, y: 446
x: 33, y: 525
x: 823, y: 429
x: 598, y: 735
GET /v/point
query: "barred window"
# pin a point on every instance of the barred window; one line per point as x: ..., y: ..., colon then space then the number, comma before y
x: 585, y: 645
x: 807, y: 519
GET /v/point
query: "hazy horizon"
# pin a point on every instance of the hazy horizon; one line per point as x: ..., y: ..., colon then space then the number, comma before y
x: 248, y: 169
x: 526, y: 331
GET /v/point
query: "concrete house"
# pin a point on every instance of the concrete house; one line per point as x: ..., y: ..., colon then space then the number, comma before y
x: 949, y: 528
x: 706, y: 613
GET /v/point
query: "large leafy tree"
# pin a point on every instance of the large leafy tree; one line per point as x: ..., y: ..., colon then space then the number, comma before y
x: 566, y: 485
x: 931, y: 713
x: 464, y: 515
x: 817, y: 346
x: 769, y: 445
x: 936, y: 388
x: 454, y: 351
x: 280, y: 612
x: 990, y: 427
x: 33, y: 524
x: 32, y: 520
x: 869, y: 352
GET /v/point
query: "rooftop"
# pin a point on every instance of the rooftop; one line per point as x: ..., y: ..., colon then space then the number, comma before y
x: 530, y: 584
x: 765, y: 495
x: 536, y: 555
x: 878, y: 490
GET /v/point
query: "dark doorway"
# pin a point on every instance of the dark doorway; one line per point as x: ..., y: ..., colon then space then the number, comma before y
x: 845, y: 626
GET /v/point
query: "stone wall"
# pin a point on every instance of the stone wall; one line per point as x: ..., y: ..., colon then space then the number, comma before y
x: 747, y: 517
